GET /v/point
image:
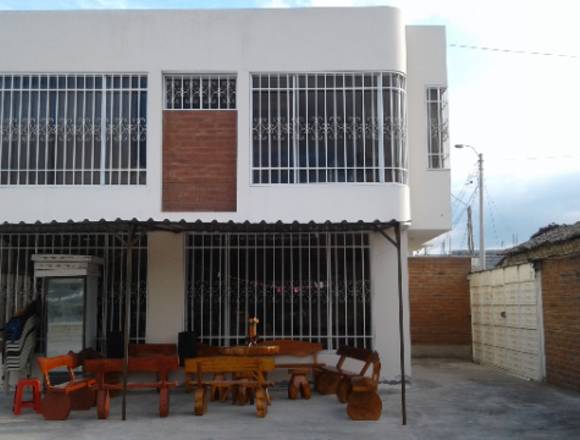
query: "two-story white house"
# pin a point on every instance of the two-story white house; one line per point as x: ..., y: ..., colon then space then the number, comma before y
x: 255, y: 154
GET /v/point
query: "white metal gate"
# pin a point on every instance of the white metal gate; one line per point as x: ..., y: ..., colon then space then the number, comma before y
x: 507, y: 326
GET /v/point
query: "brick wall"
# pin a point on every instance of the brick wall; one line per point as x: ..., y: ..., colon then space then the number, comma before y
x: 439, y: 297
x: 199, y: 160
x: 561, y: 303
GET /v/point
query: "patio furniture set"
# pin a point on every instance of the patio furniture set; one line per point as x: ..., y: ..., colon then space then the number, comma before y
x: 217, y: 373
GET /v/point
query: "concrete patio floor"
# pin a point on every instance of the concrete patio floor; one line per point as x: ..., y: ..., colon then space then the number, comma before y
x: 447, y: 400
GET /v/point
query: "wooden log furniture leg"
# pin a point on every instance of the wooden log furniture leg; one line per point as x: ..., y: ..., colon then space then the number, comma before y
x: 364, y: 405
x: 163, y: 401
x: 327, y: 383
x: 83, y: 399
x: 103, y: 404
x: 299, y: 383
x: 200, y: 400
x: 343, y: 389
x: 55, y: 406
x: 364, y: 402
x: 261, y: 402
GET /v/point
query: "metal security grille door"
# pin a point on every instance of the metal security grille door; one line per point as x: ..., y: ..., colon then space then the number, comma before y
x: 305, y: 286
x: 329, y: 127
x: 16, y: 275
x: 73, y: 129
x: 507, y: 320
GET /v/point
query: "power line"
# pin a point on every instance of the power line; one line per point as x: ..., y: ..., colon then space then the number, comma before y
x: 513, y: 51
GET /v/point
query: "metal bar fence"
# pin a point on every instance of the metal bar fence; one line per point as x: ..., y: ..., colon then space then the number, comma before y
x: 306, y: 286
x: 17, y: 287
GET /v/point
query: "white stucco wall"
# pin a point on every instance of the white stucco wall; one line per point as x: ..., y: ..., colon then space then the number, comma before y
x: 385, y: 305
x: 238, y: 41
x: 165, y: 287
x: 430, y: 188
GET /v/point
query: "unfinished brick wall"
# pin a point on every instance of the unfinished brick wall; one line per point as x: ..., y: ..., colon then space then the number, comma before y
x: 199, y: 160
x: 561, y: 304
x: 439, y: 299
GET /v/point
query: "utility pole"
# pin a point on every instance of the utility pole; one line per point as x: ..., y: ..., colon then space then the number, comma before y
x: 470, y: 246
x: 481, y: 225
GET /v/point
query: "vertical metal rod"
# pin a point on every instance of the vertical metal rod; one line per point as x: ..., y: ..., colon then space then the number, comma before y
x: 401, y: 326
x: 127, y: 323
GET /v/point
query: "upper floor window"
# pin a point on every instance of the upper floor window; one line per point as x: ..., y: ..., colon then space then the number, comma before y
x: 200, y: 92
x: 329, y: 127
x: 73, y: 129
x: 438, y: 136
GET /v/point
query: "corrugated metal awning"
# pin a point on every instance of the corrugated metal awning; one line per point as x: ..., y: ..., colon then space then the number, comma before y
x: 123, y: 225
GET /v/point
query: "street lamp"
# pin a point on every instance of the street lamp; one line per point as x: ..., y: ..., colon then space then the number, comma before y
x: 481, y: 228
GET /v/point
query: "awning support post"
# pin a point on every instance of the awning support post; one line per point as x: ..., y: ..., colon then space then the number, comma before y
x: 127, y: 323
x: 397, y: 243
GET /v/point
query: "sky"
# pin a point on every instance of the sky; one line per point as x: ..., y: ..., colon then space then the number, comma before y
x: 522, y: 111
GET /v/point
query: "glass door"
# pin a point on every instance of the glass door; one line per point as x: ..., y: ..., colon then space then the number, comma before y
x: 65, y: 304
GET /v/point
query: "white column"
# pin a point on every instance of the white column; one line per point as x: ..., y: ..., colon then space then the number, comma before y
x: 385, y: 304
x: 166, y: 287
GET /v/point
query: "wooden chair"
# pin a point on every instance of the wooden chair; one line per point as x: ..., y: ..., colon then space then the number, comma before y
x: 330, y: 380
x: 298, y: 370
x: 248, y: 376
x: 364, y: 402
x: 60, y: 399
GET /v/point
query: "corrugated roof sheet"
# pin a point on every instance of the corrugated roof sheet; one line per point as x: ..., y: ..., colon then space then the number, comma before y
x: 123, y: 225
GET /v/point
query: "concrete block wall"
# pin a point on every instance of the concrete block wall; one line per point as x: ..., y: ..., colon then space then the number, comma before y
x: 440, y: 306
x: 561, y: 301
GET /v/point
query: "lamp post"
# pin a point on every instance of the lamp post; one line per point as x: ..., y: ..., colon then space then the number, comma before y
x: 481, y: 226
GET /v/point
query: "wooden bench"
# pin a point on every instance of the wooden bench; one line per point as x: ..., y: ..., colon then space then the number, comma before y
x: 330, y: 380
x: 140, y: 350
x: 247, y: 379
x: 160, y: 365
x: 298, y: 370
x: 76, y: 393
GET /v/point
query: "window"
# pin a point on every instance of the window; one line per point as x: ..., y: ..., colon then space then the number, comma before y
x: 438, y: 136
x: 305, y: 286
x: 328, y: 127
x: 72, y: 129
x: 200, y: 92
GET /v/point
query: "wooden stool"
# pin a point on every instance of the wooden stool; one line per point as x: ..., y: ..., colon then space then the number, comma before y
x: 299, y: 382
x: 34, y: 385
x: 364, y: 402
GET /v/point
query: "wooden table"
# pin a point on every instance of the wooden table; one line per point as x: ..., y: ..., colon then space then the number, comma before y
x: 160, y: 365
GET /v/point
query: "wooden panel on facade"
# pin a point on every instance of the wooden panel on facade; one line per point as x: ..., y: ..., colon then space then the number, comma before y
x: 199, y: 161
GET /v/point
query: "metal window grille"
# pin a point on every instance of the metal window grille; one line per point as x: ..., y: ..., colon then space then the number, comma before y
x: 438, y: 123
x: 200, y: 92
x: 306, y: 286
x: 73, y: 129
x: 17, y: 287
x: 329, y: 127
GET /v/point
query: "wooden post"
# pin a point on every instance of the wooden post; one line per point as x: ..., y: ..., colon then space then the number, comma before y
x: 127, y: 323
